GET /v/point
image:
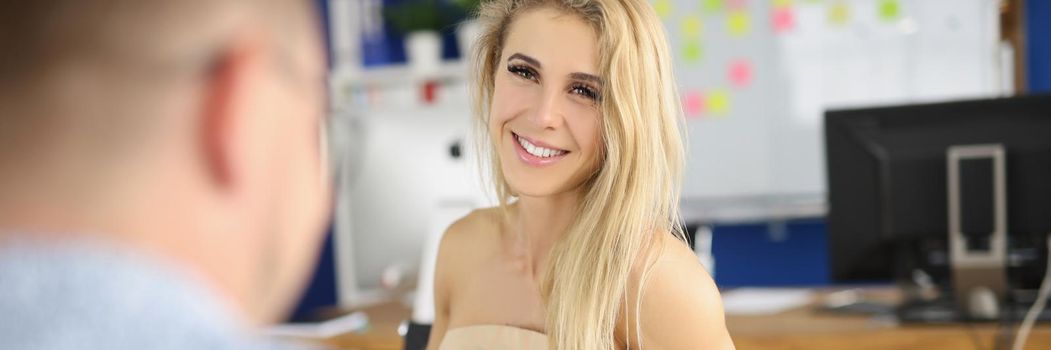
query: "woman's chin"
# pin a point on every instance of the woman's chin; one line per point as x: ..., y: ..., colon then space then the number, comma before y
x: 540, y: 189
x: 534, y: 191
x: 531, y: 183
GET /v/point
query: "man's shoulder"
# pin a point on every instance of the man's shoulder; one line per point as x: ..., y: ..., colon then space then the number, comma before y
x: 63, y: 297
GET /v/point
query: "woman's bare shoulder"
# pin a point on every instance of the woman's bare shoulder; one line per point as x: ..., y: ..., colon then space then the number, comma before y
x: 468, y: 236
x: 462, y: 247
x: 476, y: 225
x: 681, y: 307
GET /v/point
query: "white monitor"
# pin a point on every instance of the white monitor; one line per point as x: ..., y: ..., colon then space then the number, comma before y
x: 401, y: 182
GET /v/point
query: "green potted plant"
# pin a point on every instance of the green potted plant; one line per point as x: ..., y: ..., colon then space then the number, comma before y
x: 421, y: 21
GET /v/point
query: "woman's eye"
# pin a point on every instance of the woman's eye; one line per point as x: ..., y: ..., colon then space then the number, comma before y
x: 585, y: 91
x: 521, y: 71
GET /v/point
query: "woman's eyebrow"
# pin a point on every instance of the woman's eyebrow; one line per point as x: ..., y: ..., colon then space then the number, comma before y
x: 586, y: 77
x: 528, y: 59
x: 577, y: 76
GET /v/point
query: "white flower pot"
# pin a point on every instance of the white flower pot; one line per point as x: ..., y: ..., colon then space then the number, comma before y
x: 423, y: 49
x: 467, y: 34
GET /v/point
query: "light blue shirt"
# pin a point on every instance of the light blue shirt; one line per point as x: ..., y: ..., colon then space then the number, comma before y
x: 89, y: 296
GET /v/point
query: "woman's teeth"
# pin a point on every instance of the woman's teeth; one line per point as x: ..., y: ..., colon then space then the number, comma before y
x: 537, y: 150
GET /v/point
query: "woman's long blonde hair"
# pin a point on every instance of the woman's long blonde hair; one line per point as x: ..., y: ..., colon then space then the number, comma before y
x: 633, y: 195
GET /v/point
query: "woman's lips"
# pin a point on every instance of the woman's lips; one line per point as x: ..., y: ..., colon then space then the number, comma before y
x: 553, y: 155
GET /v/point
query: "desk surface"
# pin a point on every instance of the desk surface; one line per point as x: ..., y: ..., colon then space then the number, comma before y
x: 799, y: 328
x: 802, y: 328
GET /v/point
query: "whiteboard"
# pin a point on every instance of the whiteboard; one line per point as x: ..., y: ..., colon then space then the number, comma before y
x: 756, y: 76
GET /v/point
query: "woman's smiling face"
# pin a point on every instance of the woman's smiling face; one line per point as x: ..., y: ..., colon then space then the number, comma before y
x: 545, y: 119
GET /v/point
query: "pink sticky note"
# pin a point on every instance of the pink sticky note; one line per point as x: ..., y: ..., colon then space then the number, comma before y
x: 737, y: 4
x: 693, y: 104
x: 784, y: 19
x: 740, y: 72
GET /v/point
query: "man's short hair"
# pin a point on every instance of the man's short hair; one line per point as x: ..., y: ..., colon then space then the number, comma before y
x: 38, y: 35
x: 128, y: 46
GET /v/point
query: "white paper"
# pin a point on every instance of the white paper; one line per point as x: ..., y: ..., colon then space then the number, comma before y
x: 765, y: 301
x: 357, y: 321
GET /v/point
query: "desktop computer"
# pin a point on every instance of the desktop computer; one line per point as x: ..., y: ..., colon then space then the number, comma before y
x: 955, y: 197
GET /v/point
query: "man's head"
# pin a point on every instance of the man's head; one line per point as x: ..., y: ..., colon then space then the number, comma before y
x: 189, y: 129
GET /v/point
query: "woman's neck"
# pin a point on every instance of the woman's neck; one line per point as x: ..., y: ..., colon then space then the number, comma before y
x: 540, y: 222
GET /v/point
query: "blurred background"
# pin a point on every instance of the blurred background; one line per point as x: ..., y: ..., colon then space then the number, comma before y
x: 756, y: 77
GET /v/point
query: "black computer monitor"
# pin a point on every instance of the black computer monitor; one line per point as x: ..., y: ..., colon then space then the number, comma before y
x: 887, y: 186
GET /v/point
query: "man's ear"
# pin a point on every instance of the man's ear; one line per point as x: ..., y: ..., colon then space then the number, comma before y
x: 223, y: 126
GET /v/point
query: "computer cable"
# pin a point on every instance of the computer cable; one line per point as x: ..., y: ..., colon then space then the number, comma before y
x: 1038, y: 304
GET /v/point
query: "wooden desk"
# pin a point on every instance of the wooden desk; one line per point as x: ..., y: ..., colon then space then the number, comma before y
x: 800, y: 328
x: 804, y: 329
x: 384, y: 320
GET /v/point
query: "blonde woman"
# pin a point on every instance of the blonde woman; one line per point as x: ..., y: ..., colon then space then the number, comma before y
x: 578, y: 101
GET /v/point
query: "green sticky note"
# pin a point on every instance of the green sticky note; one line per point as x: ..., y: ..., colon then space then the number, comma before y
x: 663, y: 8
x: 889, y: 10
x: 739, y: 23
x: 714, y: 5
x: 691, y: 27
x: 691, y: 51
x: 719, y: 102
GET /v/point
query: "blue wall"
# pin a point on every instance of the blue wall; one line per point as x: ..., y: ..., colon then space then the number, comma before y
x: 1038, y: 45
x: 322, y: 291
x: 788, y: 254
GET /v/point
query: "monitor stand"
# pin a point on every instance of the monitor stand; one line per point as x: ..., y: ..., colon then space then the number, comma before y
x: 976, y: 176
x: 979, y: 290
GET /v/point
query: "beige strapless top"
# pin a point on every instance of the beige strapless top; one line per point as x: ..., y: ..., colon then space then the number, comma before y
x: 489, y: 337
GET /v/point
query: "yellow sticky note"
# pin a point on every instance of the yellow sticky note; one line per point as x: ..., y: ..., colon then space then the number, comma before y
x: 691, y: 27
x: 739, y: 23
x: 691, y: 51
x: 663, y: 8
x: 719, y: 102
x: 838, y: 13
x: 782, y: 3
